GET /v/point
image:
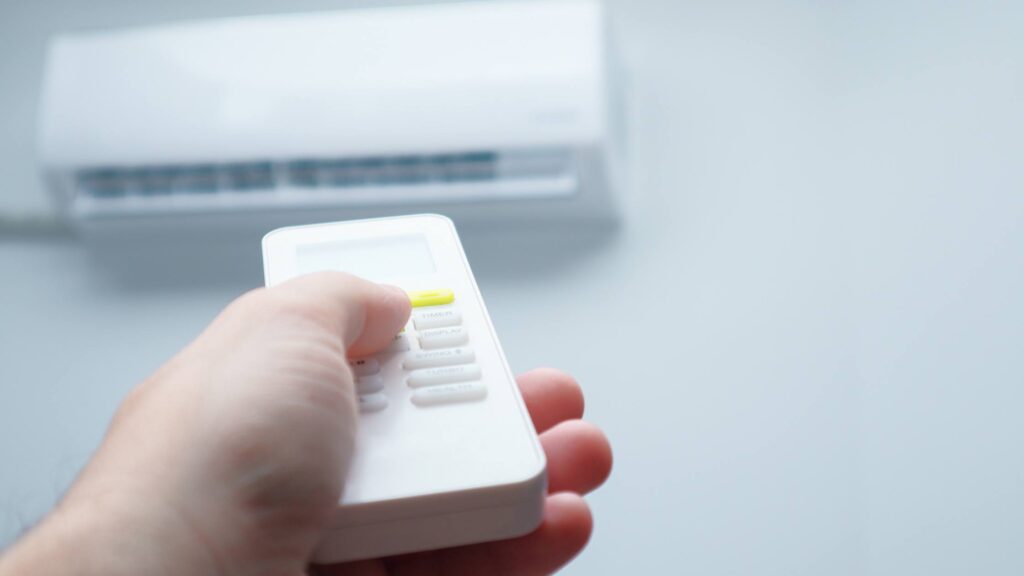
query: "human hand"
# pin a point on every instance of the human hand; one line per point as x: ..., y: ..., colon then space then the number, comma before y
x: 230, y: 459
x: 579, y: 460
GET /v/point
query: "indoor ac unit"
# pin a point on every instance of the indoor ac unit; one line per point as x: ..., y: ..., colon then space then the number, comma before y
x: 484, y: 111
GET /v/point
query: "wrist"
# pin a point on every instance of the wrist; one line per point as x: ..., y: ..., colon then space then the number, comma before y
x: 113, y: 536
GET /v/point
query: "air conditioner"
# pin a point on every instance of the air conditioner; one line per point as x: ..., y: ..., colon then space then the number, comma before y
x: 484, y: 111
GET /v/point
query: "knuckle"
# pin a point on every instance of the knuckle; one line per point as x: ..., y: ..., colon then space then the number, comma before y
x: 249, y: 302
x: 130, y: 405
x: 278, y: 303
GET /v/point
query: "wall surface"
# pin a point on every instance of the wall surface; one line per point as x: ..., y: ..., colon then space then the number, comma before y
x: 804, y: 338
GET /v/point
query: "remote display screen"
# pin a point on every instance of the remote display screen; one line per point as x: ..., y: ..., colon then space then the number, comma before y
x: 387, y: 259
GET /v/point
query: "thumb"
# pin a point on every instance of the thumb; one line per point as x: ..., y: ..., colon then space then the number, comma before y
x: 366, y: 315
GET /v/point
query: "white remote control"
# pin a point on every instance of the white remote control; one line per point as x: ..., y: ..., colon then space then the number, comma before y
x: 446, y: 453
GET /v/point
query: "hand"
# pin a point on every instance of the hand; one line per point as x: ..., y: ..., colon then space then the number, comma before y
x: 579, y: 460
x: 230, y: 459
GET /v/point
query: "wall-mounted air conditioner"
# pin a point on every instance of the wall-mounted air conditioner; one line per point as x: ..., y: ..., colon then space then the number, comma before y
x: 484, y: 111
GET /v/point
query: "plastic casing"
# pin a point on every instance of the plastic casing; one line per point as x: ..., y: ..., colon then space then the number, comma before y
x: 380, y: 82
x: 429, y: 477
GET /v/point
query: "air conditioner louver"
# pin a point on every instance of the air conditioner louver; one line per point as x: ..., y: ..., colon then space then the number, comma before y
x: 113, y: 182
x: 478, y: 175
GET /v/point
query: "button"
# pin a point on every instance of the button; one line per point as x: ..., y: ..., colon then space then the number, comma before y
x: 369, y: 384
x: 365, y: 366
x: 448, y: 393
x: 436, y: 319
x: 435, y: 358
x: 372, y: 403
x: 443, y: 338
x: 443, y: 375
x: 437, y: 297
x: 399, y: 344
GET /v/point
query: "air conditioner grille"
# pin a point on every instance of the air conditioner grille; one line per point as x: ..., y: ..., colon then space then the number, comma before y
x: 336, y: 174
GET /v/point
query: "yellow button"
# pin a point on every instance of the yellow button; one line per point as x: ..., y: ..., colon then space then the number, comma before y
x: 431, y: 297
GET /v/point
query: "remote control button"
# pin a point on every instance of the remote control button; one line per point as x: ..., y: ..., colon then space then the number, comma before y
x: 399, y: 344
x: 448, y: 393
x: 436, y: 319
x: 365, y: 366
x: 443, y: 375
x: 435, y: 358
x: 369, y: 384
x: 437, y: 297
x: 443, y: 338
x: 372, y: 403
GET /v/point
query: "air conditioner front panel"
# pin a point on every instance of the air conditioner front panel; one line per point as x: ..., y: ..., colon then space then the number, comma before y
x: 465, y: 76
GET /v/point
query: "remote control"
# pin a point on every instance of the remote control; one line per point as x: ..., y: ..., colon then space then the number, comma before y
x: 446, y: 453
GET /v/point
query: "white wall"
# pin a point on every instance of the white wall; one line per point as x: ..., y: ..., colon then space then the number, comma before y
x: 805, y: 340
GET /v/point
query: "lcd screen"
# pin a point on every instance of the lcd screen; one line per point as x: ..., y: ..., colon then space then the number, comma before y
x: 387, y: 259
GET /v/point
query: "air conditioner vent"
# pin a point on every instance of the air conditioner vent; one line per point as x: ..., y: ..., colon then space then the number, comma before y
x: 307, y: 182
x: 341, y: 173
